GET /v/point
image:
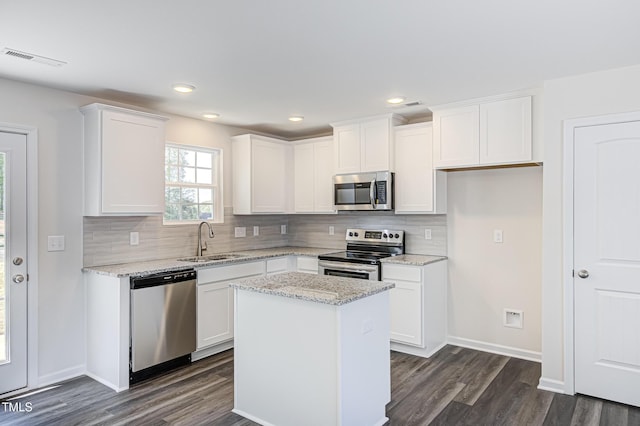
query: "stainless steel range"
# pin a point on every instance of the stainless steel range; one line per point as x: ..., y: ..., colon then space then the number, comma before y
x: 365, y: 248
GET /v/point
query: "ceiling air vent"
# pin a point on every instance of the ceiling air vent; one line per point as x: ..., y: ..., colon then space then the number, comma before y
x: 31, y: 57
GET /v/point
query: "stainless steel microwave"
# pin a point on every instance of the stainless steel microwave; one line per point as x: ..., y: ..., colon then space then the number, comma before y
x: 363, y: 191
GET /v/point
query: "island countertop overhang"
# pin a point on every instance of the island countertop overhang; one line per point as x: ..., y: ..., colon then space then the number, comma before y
x: 314, y: 288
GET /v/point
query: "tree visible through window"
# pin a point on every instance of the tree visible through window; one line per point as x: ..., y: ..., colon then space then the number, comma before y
x: 192, y: 184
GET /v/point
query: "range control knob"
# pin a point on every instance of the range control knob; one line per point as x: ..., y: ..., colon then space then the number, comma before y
x: 397, y: 236
x: 355, y: 234
x: 351, y: 234
x: 384, y: 235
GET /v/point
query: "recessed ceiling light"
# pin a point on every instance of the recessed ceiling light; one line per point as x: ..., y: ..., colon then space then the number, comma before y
x: 296, y: 118
x: 183, y: 88
x: 210, y: 115
x: 396, y: 100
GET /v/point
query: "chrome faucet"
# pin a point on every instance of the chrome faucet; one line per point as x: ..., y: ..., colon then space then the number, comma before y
x: 202, y: 245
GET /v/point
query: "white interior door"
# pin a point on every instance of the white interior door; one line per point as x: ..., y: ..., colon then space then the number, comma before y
x: 607, y: 261
x: 13, y: 262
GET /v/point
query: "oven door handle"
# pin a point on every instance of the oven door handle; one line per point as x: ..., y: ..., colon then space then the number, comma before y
x: 372, y: 194
x: 348, y: 266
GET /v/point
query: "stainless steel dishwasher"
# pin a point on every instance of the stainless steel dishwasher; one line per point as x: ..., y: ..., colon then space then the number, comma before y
x: 163, y: 322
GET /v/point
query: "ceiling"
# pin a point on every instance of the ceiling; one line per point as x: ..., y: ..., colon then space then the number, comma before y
x: 258, y: 62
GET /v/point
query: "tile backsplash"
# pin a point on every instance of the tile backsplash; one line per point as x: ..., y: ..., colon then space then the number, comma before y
x: 106, y: 239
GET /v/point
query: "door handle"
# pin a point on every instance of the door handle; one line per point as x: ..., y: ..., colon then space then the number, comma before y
x: 17, y: 261
x: 583, y: 273
x: 18, y: 278
x: 372, y: 194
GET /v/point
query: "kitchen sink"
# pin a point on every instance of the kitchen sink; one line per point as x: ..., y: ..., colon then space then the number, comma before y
x: 210, y: 258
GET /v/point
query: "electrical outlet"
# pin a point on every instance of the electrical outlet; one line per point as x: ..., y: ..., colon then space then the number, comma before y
x: 497, y: 236
x: 283, y: 229
x: 240, y: 231
x: 513, y: 318
x: 332, y: 230
x: 256, y: 231
x: 427, y: 234
x: 134, y: 238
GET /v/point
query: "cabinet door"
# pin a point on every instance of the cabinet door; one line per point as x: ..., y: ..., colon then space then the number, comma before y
x: 268, y: 177
x: 346, y: 141
x: 414, y: 169
x: 405, y: 303
x: 375, y: 145
x: 215, y: 313
x: 304, y: 178
x: 456, y: 137
x: 323, y: 177
x: 505, y: 131
x: 132, y: 164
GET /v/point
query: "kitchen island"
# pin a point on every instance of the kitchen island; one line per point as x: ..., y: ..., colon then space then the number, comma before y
x: 311, y: 350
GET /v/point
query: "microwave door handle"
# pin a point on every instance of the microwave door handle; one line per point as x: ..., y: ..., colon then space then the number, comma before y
x: 372, y: 194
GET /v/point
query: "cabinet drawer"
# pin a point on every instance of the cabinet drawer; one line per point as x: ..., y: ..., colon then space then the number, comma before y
x: 400, y: 272
x: 277, y: 265
x: 224, y: 273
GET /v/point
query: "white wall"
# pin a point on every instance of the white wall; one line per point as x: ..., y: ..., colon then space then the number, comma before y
x: 61, y: 288
x: 593, y: 94
x: 486, y: 277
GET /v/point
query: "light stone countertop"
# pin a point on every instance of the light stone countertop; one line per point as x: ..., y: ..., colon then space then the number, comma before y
x: 412, y: 259
x: 167, y: 265
x: 314, y: 288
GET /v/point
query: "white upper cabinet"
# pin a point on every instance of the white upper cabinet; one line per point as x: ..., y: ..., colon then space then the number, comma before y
x: 313, y: 176
x: 123, y: 161
x: 262, y: 175
x: 364, y: 145
x: 491, y: 133
x: 418, y: 187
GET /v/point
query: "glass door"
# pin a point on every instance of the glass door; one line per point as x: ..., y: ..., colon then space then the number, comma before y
x: 13, y: 261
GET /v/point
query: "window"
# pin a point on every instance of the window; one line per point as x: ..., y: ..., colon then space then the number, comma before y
x: 193, y: 184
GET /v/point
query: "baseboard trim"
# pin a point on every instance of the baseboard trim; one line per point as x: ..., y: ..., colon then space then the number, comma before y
x: 413, y: 350
x: 252, y: 418
x: 107, y: 383
x: 212, y: 350
x: 496, y: 349
x: 62, y: 375
x: 551, y: 385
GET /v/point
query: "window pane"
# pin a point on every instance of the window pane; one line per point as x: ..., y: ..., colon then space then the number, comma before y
x: 171, y: 174
x: 204, y: 176
x: 205, y: 195
x: 171, y: 212
x: 171, y: 195
x: 189, y: 212
x: 206, y: 211
x: 188, y: 174
x: 187, y: 158
x: 189, y: 195
x: 171, y: 155
x: 204, y: 159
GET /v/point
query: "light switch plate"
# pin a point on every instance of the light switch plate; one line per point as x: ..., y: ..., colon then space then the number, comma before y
x: 283, y: 229
x: 256, y: 231
x: 55, y: 243
x: 427, y: 234
x: 497, y: 236
x: 332, y: 230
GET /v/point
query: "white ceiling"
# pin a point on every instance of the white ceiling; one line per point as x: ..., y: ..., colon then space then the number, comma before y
x: 258, y: 62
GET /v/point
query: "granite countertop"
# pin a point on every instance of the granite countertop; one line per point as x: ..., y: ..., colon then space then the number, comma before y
x: 412, y: 259
x: 168, y: 265
x: 314, y: 288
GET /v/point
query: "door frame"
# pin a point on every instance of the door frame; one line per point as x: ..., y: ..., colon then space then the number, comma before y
x: 31, y: 134
x: 568, y: 235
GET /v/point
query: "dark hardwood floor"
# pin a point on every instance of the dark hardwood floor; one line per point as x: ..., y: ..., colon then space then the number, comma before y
x: 454, y: 387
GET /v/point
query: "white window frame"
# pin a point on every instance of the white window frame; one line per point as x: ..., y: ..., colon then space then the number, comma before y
x: 216, y: 185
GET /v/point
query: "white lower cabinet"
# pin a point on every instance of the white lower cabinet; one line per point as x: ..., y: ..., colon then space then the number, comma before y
x: 418, y: 303
x: 215, y: 300
x: 306, y: 264
x: 278, y: 265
